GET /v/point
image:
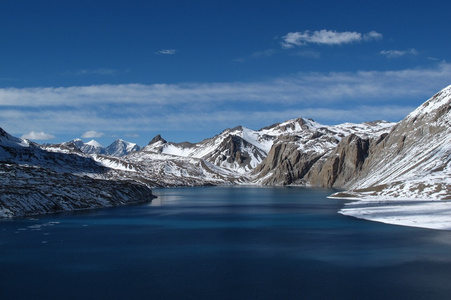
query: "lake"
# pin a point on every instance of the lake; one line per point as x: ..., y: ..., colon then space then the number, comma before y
x: 222, y: 243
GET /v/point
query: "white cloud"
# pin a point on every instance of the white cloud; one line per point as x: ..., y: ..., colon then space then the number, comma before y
x: 326, y: 37
x: 398, y: 53
x: 92, y: 134
x: 33, y: 135
x: 166, y: 51
x: 135, y: 108
x: 330, y: 87
x: 372, y: 35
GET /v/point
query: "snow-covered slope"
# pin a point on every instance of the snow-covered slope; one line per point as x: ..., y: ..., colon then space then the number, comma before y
x: 34, y: 180
x: 414, y: 160
x: 7, y: 140
x: 30, y: 190
x: 406, y: 179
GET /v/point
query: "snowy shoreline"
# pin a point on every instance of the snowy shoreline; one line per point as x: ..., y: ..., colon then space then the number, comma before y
x: 431, y: 214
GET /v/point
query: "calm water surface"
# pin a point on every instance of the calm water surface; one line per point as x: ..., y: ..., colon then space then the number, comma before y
x: 222, y: 243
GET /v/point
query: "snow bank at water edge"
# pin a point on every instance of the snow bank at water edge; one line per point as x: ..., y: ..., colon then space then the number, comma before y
x: 432, y: 214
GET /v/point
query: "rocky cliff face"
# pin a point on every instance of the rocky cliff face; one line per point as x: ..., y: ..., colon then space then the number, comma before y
x: 344, y: 163
x: 285, y: 164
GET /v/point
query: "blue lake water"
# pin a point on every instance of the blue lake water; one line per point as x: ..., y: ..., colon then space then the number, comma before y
x: 222, y: 243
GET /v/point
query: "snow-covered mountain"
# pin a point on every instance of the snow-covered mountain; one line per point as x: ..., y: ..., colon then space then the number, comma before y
x: 93, y: 147
x: 302, y: 144
x: 238, y: 149
x: 235, y: 156
x: 9, y: 141
x: 118, y: 148
x: 414, y: 160
x: 244, y: 151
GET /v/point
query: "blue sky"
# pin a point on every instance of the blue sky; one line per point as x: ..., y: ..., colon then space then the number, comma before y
x: 189, y: 69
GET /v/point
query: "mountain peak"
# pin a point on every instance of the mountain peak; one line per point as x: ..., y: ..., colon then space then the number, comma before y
x: 120, y: 148
x: 156, y: 139
x: 94, y: 143
x: 2, y: 132
x: 8, y: 140
x: 435, y: 107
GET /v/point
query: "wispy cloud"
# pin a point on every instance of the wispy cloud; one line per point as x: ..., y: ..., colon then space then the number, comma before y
x: 33, y: 135
x: 264, y: 53
x: 398, y: 53
x: 308, y: 54
x: 326, y: 37
x: 256, y: 55
x: 329, y: 98
x: 102, y: 71
x: 166, y: 51
x: 92, y: 134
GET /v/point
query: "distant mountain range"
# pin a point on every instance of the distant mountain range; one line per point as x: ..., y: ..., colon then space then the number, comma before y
x: 409, y: 159
x: 118, y: 148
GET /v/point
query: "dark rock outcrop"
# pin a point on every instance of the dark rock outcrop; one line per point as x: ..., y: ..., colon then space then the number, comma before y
x: 235, y: 152
x: 156, y: 139
x: 342, y: 164
x: 285, y: 164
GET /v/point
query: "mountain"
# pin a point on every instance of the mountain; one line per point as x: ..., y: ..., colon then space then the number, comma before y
x: 237, y: 155
x: 91, y: 147
x: 36, y: 180
x: 303, y: 144
x: 120, y: 148
x: 245, y: 151
x: 413, y: 161
x: 238, y: 149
